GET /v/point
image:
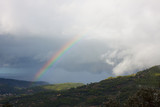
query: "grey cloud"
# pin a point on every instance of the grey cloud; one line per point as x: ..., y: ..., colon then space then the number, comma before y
x: 123, y: 34
x: 61, y: 76
x: 25, y: 56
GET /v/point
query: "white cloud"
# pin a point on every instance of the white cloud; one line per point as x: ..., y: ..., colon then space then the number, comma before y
x: 109, y: 62
x: 129, y: 28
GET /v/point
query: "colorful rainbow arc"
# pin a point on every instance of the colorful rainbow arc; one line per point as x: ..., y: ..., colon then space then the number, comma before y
x: 57, y: 56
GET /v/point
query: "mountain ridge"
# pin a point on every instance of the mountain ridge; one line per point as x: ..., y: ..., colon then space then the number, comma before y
x: 94, y: 94
x: 20, y: 83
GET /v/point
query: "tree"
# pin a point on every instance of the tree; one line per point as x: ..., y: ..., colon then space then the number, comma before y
x: 145, y: 97
x: 111, y: 103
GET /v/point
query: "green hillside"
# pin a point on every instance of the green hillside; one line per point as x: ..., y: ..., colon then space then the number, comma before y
x: 96, y: 94
x: 63, y: 86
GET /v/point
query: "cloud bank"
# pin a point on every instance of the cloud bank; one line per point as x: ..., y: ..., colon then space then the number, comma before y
x: 121, y: 36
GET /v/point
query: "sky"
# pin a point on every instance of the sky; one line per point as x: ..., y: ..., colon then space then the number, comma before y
x: 120, y: 37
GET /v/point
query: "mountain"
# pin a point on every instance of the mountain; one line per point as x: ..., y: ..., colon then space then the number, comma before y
x: 20, y: 83
x: 13, y: 86
x: 94, y: 94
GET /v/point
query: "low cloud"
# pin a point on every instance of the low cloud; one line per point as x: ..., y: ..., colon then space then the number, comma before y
x: 127, y: 58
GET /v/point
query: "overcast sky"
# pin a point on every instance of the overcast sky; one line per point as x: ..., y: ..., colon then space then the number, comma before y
x: 120, y: 37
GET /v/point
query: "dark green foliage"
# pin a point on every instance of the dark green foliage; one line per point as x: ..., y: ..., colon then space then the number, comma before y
x: 149, y: 77
x: 111, y: 103
x: 119, y: 89
x: 145, y: 97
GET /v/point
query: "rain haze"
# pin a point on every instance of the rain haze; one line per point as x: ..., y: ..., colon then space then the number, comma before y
x: 120, y: 37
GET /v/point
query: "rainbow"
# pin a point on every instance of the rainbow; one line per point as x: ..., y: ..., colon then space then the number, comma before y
x: 57, y: 56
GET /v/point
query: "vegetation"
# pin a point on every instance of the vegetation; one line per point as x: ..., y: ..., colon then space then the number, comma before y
x: 137, y: 90
x: 63, y: 86
x: 145, y: 97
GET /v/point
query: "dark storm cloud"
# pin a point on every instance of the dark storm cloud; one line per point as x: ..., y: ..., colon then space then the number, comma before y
x: 123, y: 34
x: 27, y: 55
